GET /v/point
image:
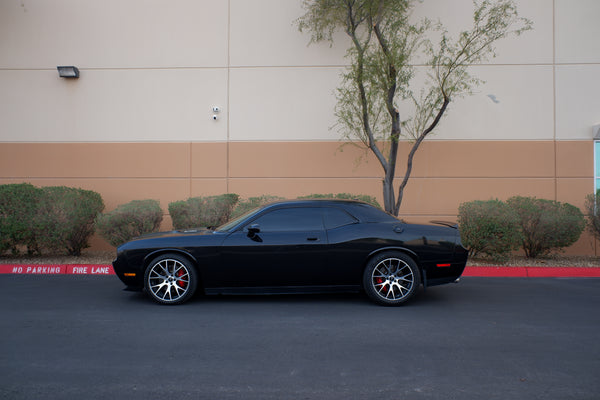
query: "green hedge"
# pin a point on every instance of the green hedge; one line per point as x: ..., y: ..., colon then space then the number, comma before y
x: 592, y: 212
x: 546, y: 225
x: 196, y: 212
x: 344, y: 196
x: 130, y: 220
x: 67, y: 217
x: 251, y: 203
x: 18, y: 217
x: 540, y: 226
x: 489, y: 229
x: 54, y: 218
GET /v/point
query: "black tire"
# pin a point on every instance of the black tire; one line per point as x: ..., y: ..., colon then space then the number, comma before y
x: 170, y: 279
x: 391, y: 278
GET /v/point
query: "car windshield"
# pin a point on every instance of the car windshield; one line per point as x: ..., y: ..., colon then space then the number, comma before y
x: 234, y: 222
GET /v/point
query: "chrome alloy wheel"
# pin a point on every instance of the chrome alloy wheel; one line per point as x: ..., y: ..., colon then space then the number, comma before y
x: 393, y: 279
x: 169, y: 281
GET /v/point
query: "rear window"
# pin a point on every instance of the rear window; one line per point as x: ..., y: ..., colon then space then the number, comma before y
x: 367, y: 213
x: 334, y: 218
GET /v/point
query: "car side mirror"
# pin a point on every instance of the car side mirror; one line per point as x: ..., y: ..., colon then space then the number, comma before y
x: 253, y: 230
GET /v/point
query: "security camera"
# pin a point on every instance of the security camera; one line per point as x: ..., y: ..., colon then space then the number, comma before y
x: 215, y: 117
x: 216, y: 109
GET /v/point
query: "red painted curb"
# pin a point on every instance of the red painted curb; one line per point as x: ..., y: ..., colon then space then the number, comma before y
x: 65, y: 269
x: 534, y: 272
x: 506, y: 272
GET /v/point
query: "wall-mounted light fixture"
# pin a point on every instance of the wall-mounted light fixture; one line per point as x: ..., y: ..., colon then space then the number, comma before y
x: 68, y: 72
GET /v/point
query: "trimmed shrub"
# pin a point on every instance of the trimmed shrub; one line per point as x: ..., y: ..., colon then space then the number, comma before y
x: 251, y: 203
x: 592, y: 212
x: 489, y: 228
x: 130, y: 220
x: 18, y: 211
x: 198, y: 212
x: 344, y: 196
x: 67, y: 217
x: 546, y: 225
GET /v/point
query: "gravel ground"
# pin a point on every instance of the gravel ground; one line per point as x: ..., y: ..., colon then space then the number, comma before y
x: 106, y: 257
x: 548, y: 261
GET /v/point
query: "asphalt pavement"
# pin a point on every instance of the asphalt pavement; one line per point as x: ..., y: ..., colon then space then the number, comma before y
x: 82, y: 337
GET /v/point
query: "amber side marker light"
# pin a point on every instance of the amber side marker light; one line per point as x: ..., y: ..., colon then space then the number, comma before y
x: 129, y: 274
x: 442, y: 265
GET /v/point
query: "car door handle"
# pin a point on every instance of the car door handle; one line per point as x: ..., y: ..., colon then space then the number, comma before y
x: 313, y: 239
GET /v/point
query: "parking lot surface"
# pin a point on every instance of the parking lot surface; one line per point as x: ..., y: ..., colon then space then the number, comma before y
x: 73, y: 337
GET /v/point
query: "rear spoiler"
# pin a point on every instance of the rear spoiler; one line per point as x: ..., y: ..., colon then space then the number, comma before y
x: 445, y: 223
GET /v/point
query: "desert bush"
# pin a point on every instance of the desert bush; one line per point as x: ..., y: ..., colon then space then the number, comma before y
x: 197, y: 212
x: 592, y: 212
x: 253, y: 202
x: 130, y: 220
x: 18, y: 210
x: 546, y: 225
x: 489, y: 228
x: 344, y: 196
x: 66, y: 216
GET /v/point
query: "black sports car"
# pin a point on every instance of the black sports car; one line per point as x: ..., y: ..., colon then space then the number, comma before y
x: 302, y: 246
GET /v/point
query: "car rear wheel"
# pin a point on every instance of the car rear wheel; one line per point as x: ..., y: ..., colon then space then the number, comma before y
x: 170, y: 279
x: 391, y: 278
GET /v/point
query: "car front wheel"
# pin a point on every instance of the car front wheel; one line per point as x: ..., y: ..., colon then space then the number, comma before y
x: 391, y: 278
x: 170, y: 279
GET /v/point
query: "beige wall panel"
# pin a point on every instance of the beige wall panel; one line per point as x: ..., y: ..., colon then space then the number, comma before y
x: 574, y: 190
x: 280, y: 104
x: 577, y: 101
x: 480, y: 159
x: 94, y: 160
x: 293, y: 187
x: 436, y: 196
x: 97, y: 243
x: 575, y: 159
x: 300, y: 160
x: 532, y: 47
x: 113, y: 105
x: 466, y: 159
x: 207, y: 187
x: 514, y: 103
x: 263, y: 33
x: 577, y: 31
x: 584, y: 246
x: 209, y: 160
x: 113, y: 34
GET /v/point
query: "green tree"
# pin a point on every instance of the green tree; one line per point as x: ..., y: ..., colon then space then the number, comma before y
x: 385, y: 43
x: 592, y: 212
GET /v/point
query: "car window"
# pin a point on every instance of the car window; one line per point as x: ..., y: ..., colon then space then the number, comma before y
x: 227, y: 226
x: 291, y: 219
x: 335, y: 217
x: 368, y: 213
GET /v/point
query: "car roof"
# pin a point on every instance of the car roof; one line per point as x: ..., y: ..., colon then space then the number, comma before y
x: 359, y: 209
x: 319, y: 202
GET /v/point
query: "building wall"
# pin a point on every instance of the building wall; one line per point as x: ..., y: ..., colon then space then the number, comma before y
x: 138, y: 122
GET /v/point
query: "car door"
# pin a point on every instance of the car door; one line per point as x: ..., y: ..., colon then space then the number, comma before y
x: 283, y: 247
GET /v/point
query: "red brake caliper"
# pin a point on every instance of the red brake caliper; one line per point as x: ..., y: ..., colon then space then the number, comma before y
x: 180, y: 282
x: 379, y: 281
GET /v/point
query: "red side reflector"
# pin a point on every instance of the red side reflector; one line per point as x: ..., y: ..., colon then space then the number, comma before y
x: 442, y: 265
